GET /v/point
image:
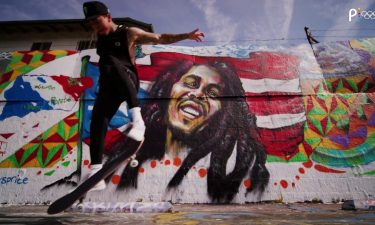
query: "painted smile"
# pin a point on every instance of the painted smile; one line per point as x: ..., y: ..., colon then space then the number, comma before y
x: 191, y: 109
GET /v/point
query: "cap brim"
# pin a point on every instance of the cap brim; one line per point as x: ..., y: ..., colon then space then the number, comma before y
x: 95, y: 16
x: 88, y: 19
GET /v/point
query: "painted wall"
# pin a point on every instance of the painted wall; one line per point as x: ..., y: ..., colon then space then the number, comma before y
x: 224, y: 124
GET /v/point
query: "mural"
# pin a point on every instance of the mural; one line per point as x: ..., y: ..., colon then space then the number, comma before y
x: 224, y: 124
x: 206, y: 112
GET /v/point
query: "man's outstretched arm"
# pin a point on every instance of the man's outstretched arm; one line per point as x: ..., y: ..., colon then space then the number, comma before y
x: 142, y: 37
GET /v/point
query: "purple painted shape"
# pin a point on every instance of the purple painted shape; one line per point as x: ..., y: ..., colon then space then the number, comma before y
x: 342, y: 140
x: 371, y: 121
x: 345, y: 43
x: 360, y: 132
x: 365, y: 55
x: 372, y: 71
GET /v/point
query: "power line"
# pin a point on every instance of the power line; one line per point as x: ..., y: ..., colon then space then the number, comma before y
x: 281, y: 39
x: 356, y: 36
x: 342, y: 29
x: 261, y: 40
x: 254, y: 40
x: 249, y: 40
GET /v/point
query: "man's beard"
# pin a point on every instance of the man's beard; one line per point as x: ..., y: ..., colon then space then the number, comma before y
x: 198, y: 135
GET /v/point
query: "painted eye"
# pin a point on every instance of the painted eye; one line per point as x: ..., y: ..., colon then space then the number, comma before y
x: 190, y: 82
x: 212, y: 93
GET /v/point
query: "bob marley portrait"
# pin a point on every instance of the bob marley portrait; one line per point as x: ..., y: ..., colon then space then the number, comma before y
x: 197, y: 105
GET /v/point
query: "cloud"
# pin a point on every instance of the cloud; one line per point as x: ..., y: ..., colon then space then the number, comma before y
x: 341, y: 28
x: 285, y: 13
x: 279, y: 17
x: 221, y: 28
x: 269, y: 20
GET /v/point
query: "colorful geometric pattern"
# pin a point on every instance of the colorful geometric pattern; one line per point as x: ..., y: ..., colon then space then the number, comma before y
x: 341, y: 115
x: 25, y: 61
x: 354, y: 84
x: 49, y: 147
x: 340, y: 128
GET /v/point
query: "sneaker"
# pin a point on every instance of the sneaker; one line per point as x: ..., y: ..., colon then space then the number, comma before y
x: 99, y: 186
x: 137, y: 132
x: 93, y: 170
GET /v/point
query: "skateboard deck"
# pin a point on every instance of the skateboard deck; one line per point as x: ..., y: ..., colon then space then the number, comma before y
x: 127, y: 153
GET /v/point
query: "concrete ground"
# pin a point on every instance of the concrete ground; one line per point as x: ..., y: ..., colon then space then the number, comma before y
x: 265, y: 213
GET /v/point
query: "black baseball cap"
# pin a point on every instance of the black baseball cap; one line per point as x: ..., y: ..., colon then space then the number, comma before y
x: 94, y: 9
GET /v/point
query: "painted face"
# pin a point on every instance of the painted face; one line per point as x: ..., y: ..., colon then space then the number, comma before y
x: 101, y: 25
x: 194, y: 99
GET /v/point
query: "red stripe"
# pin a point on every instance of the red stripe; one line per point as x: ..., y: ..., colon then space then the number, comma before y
x: 274, y: 93
x: 112, y: 137
x: 259, y: 64
x: 270, y: 105
x: 286, y: 143
x: 282, y: 142
x: 285, y: 149
x: 282, y: 134
x: 149, y: 73
x: 287, y: 153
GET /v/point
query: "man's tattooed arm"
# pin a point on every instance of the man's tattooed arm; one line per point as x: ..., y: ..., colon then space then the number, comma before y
x: 172, y: 38
x: 142, y: 37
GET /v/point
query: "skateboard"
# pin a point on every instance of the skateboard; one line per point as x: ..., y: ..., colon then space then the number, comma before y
x: 127, y: 153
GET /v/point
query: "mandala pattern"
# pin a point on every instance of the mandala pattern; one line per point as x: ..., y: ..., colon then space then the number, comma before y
x: 339, y: 131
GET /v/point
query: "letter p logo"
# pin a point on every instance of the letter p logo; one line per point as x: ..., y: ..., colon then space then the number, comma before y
x: 352, y: 13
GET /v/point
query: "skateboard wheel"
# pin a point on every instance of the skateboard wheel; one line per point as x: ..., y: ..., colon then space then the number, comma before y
x: 134, y: 163
x: 80, y: 206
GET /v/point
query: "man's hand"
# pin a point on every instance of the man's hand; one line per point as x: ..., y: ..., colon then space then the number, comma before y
x: 196, y: 35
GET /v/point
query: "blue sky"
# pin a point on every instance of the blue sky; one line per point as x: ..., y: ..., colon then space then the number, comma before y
x: 223, y: 21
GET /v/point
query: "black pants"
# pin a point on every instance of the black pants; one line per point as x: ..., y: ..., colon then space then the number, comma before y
x: 117, y: 83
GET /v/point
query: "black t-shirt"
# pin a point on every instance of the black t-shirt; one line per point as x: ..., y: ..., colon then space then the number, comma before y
x: 114, y: 44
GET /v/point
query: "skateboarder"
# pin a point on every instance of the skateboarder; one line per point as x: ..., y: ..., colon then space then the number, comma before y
x: 118, y: 80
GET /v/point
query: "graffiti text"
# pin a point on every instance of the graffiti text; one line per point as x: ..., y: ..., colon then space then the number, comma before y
x: 58, y: 101
x: 14, y: 179
x: 44, y: 87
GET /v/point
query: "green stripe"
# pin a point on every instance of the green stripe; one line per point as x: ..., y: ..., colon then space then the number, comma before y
x: 299, y: 157
x: 369, y: 173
